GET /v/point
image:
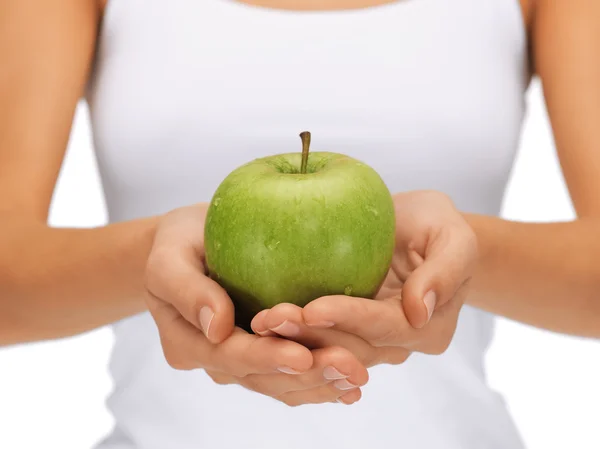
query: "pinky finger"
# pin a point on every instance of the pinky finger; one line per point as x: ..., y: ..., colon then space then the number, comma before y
x: 258, y: 324
x: 351, y: 397
x: 320, y: 395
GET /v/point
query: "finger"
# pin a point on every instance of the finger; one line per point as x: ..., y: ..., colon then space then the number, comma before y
x: 312, y: 337
x: 284, y: 319
x: 393, y: 281
x: 320, y: 395
x: 337, y: 384
x: 379, y: 322
x: 185, y: 347
x: 351, y: 397
x: 335, y: 366
x: 258, y: 324
x: 339, y: 367
x: 243, y: 354
x: 438, y: 334
x: 222, y: 378
x: 287, y: 321
x: 448, y: 263
x: 177, y: 278
x: 346, y: 397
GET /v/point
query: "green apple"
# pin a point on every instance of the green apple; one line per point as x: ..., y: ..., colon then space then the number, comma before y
x: 293, y: 227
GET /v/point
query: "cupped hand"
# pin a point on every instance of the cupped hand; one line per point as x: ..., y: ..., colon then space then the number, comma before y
x: 195, y: 320
x: 417, y: 307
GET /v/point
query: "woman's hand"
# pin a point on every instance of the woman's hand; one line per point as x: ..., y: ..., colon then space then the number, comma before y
x: 195, y: 319
x: 416, y: 309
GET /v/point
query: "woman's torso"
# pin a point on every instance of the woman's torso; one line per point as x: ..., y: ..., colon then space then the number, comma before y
x: 428, y: 92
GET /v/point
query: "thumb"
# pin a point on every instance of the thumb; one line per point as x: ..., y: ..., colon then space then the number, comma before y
x: 200, y: 300
x: 447, y: 266
x: 213, y: 310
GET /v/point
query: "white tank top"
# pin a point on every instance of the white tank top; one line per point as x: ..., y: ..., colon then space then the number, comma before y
x: 428, y: 92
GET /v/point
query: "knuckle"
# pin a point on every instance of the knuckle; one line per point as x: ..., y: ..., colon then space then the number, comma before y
x: 438, y: 349
x: 388, y: 336
x: 441, y: 198
x: 157, y: 267
x: 290, y: 401
x: 186, y: 295
x: 440, y: 195
x: 175, y: 357
x: 398, y: 356
x: 177, y: 361
x: 440, y: 345
x: 435, y: 194
x: 388, y: 356
x: 250, y: 383
x: 388, y: 323
x: 219, y: 378
x: 334, y: 354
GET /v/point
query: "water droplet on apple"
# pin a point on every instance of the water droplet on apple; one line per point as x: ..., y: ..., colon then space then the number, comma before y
x: 348, y: 290
x: 373, y: 211
x: 216, y: 202
x: 217, y: 245
x: 272, y: 244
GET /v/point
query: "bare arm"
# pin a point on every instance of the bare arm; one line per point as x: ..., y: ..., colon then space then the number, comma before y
x: 548, y: 275
x: 54, y: 282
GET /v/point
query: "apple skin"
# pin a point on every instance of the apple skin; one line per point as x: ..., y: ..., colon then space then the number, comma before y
x: 274, y: 235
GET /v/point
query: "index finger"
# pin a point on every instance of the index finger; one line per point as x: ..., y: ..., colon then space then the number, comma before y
x: 243, y: 354
x: 173, y: 276
x: 380, y: 322
x: 448, y: 264
x: 185, y: 347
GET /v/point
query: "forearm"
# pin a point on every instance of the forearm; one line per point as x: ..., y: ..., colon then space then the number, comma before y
x: 546, y: 275
x: 60, y: 282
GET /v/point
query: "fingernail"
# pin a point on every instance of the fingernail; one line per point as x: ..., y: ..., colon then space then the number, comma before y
x: 206, y: 317
x: 430, y: 299
x: 288, y: 370
x: 330, y: 373
x: 343, y: 384
x: 340, y: 401
x: 321, y: 324
x: 287, y: 329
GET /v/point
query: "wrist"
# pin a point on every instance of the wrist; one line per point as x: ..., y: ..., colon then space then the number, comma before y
x: 493, y: 236
x: 132, y: 242
x: 489, y: 231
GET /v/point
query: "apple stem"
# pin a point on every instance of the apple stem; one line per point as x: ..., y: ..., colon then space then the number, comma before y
x: 305, y: 136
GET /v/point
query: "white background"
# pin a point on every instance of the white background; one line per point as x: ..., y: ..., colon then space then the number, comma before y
x: 52, y: 394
